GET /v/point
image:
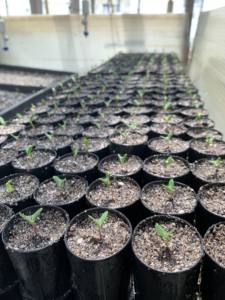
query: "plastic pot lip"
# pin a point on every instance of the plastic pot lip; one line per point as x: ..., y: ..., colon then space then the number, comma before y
x: 64, y: 213
x: 193, y: 117
x: 18, y: 175
x: 154, y: 109
x: 205, y: 153
x: 172, y: 214
x: 35, y: 150
x: 116, y: 156
x: 165, y: 153
x: 94, y: 138
x: 10, y: 216
x: 137, y: 115
x: 56, y: 135
x: 129, y: 145
x: 6, y: 138
x: 163, y: 156
x: 198, y: 127
x: 8, y: 162
x: 9, y: 287
x: 142, y: 125
x: 61, y: 176
x: 167, y: 216
x: 99, y: 209
x: 12, y: 139
x: 46, y: 123
x: 26, y: 111
x: 71, y: 154
x: 118, y: 207
x: 174, y: 135
x: 190, y: 116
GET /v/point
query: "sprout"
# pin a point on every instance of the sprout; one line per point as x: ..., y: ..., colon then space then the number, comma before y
x: 166, y: 106
x: 43, y: 101
x: 189, y: 92
x: 124, y: 135
x: 54, y: 91
x: 141, y: 94
x: 55, y: 106
x: 61, y: 85
x: 63, y: 126
x: 98, y: 92
x: 30, y: 120
x: 102, y: 115
x: 75, y: 152
x: 8, y: 186
x: 216, y: 163
x: 68, y: 97
x: 169, y: 188
x: 107, y: 181
x: 165, y: 78
x: 86, y: 142
x: 75, y: 90
x: 49, y: 113
x: 78, y: 118
x: 131, y: 112
x: 16, y: 137
x: 60, y: 183
x: 92, y: 97
x: 122, y: 159
x: 81, y: 88
x: 2, y: 121
x: 194, y: 97
x: 210, y: 140
x: 100, y: 221
x: 99, y: 125
x: 19, y: 116
x: 125, y: 78
x: 161, y: 231
x: 167, y: 162
x: 137, y: 103
x: 17, y: 89
x: 197, y: 105
x: 132, y: 125
x: 167, y: 138
x: 199, y: 116
x: 69, y: 84
x: 83, y: 105
x: 107, y: 104
x: 50, y: 137
x: 33, y: 106
x: 103, y: 88
x: 74, y: 78
x: 131, y: 73
x: 28, y: 150
x: 168, y: 118
x: 182, y: 78
x: 122, y: 90
x: 117, y: 98
x: 32, y: 218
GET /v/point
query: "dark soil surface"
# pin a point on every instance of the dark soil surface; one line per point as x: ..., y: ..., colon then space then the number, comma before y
x: 2, y: 138
x: 113, y: 165
x: 38, y: 109
x: 194, y: 112
x: 159, y: 119
x: 51, y: 193
x: 142, y: 129
x: 125, y: 192
x: 8, y: 98
x: 136, y: 110
x: 189, y: 102
x: 156, y: 167
x: 75, y: 120
x: 85, y: 111
x: 110, y: 110
x: 11, y: 128
x: 170, y: 110
x: 4, y: 217
x: 22, y: 187
x: 175, y: 145
x: 165, y: 128
x: 59, y: 142
x: 104, y: 132
x: 62, y: 110
x: 213, y: 198
x: 52, y: 118
x: 83, y: 162
x: 142, y: 119
x: 95, y: 144
x: 23, y: 141
x: 215, y: 243
x: 84, y: 240
x: 216, y: 147
x: 203, y: 132
x: 108, y: 120
x: 23, y: 120
x: 39, y: 159
x: 41, y: 129
x: 195, y: 122
x: 50, y: 226
x: 131, y: 139
x: 207, y: 171
x: 184, y: 247
x: 71, y: 129
x: 6, y: 155
x: 158, y: 199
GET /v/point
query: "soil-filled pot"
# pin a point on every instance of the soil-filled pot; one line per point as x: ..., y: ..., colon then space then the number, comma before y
x: 11, y: 129
x: 41, y: 164
x: 84, y: 120
x: 12, y: 292
x: 19, y: 146
x: 6, y: 158
x: 155, y: 168
x: 38, y: 110
x: 53, y: 119
x: 175, y: 146
x: 132, y: 167
x: 105, y: 272
x: 163, y: 129
x: 85, y: 165
x: 73, y: 130
x: 7, y: 272
x: 193, y: 112
x: 201, y: 148
x: 156, y: 200
x: 23, y: 187
x: 195, y: 122
x: 142, y: 129
x: 3, y: 138
x: 39, y: 130
x: 134, y: 144
x: 213, y: 271
x: 123, y: 195
x: 210, y: 208
x: 71, y: 197
x: 200, y: 132
x: 96, y: 145
x: 40, y: 261
x: 166, y: 272
x: 160, y: 118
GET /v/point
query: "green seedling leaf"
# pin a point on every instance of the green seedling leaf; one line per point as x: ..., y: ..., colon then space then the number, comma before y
x: 56, y: 106
x: 2, y: 121
x: 216, y: 162
x: 75, y: 152
x: 69, y: 84
x: 8, y: 186
x: 107, y: 103
x: 30, y: 120
x: 17, y: 90
x: 75, y: 90
x: 169, y: 188
x: 49, y: 113
x: 123, y: 134
x: 197, y: 105
x: 43, y: 101
x: 98, y: 92
x: 161, y: 231
x: 117, y: 98
x: 167, y: 105
x: 19, y: 116
x: 63, y: 126
x: 74, y: 78
x: 103, y: 88
x: 92, y: 97
x: 102, y: 115
x: 78, y: 117
x: 210, y: 140
x: 100, y: 221
x: 50, y: 136
x: 168, y: 118
x: 168, y: 137
x: 33, y: 106
x: 61, y: 85
x: 86, y: 142
x: 81, y: 88
x: 199, y: 116
x: 60, y: 182
x: 132, y: 125
x: 194, y: 97
x: 131, y: 112
x: 68, y: 97
x: 99, y: 125
x: 122, y: 159
x: 54, y: 91
x: 167, y: 162
x: 16, y: 137
x: 137, y: 102
x: 107, y: 181
x: 28, y: 150
x: 83, y: 105
x: 32, y: 218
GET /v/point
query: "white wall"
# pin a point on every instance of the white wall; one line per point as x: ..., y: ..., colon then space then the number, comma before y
x: 58, y: 43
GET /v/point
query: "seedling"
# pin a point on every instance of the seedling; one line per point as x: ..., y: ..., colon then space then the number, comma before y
x: 61, y: 85
x: 125, y: 79
x: 30, y: 120
x: 92, y: 97
x: 189, y: 92
x: 122, y: 159
x: 182, y: 78
x: 99, y: 222
x: 54, y: 91
x: 137, y: 103
x: 103, y: 88
x: 33, y: 106
x: 63, y: 126
x: 169, y: 188
x: 75, y: 152
x: 199, y: 116
x: 210, y: 140
x: 68, y: 97
x: 32, y: 218
x: 168, y: 119
x: 28, y: 150
x: 56, y: 106
x: 132, y: 125
x: 60, y: 182
x: 168, y: 138
x: 43, y: 101
x: 122, y: 90
x: 16, y: 137
x: 51, y: 137
x: 75, y: 90
x: 216, y: 163
x: 162, y: 232
x: 2, y: 121
x: 8, y: 186
x: 107, y: 103
x: 131, y: 73
x: 107, y: 181
x: 86, y: 142
x: 81, y: 88
x: 83, y: 105
x: 194, y: 97
x: 197, y: 105
x: 167, y: 162
x: 117, y: 98
x: 102, y: 115
x: 19, y: 116
x: 78, y: 118
x: 124, y: 135
x: 49, y: 113
x: 99, y: 125
x: 74, y: 78
x: 69, y: 84
x: 17, y: 90
x: 131, y: 112
x: 141, y: 94
x: 166, y: 106
x: 98, y: 92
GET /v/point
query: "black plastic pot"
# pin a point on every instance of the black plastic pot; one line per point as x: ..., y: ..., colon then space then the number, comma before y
x: 137, y: 150
x: 7, y: 169
x: 131, y: 211
x: 195, y: 154
x: 122, y: 127
x: 155, y: 134
x: 20, y: 204
x: 213, y: 275
x: 43, y: 172
x: 189, y: 137
x: 188, y: 118
x: 44, y: 273
x: 53, y: 123
x: 147, y: 212
x: 90, y: 174
x: 148, y: 177
x: 5, y: 138
x: 75, y: 135
x: 72, y: 208
x: 105, y: 279
x: 38, y: 135
x: 160, y: 285
x: 137, y: 176
x: 7, y: 272
x: 12, y: 139
x: 11, y: 293
x: 185, y: 115
x: 150, y: 151
x: 206, y: 218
